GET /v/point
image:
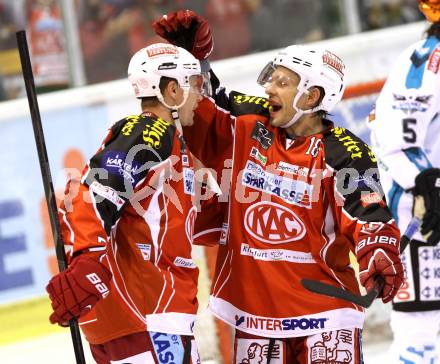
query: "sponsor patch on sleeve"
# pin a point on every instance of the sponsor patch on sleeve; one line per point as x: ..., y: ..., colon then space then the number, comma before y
x: 108, y: 193
x: 145, y: 250
x: 184, y: 263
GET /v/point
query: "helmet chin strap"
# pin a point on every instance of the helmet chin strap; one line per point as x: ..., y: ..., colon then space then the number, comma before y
x: 299, y: 112
x: 174, y: 109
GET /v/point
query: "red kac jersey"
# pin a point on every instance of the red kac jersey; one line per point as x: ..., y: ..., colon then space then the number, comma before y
x: 296, y: 210
x: 135, y: 205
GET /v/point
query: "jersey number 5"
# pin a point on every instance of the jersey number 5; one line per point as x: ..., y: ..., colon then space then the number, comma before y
x: 409, y: 134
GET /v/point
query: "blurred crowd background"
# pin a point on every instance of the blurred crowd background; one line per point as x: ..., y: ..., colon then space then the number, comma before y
x: 106, y: 33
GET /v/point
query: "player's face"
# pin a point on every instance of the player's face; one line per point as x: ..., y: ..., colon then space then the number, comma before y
x: 281, y: 89
x: 186, y: 112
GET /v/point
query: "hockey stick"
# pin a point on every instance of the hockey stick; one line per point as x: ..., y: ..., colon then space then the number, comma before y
x: 47, y: 178
x: 367, y: 300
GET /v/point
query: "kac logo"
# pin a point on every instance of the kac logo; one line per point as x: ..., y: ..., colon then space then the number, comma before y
x: 273, y: 223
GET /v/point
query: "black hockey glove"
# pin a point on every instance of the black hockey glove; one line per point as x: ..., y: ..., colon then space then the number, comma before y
x: 427, y: 184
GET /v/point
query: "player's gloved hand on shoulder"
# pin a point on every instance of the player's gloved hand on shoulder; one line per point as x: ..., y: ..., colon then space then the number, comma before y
x: 427, y: 185
x: 77, y: 289
x: 186, y: 29
x: 379, y: 256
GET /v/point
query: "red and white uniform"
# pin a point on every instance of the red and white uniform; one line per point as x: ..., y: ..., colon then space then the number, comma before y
x: 135, y: 204
x: 296, y: 210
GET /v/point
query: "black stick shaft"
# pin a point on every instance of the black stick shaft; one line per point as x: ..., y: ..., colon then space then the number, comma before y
x: 47, y: 178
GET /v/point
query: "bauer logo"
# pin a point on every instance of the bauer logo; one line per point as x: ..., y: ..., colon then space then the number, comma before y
x: 167, y: 347
x: 378, y: 239
x: 99, y: 285
x: 273, y: 223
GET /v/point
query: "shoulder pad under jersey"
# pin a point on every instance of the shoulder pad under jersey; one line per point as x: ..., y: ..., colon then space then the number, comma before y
x: 344, y: 149
x: 241, y: 104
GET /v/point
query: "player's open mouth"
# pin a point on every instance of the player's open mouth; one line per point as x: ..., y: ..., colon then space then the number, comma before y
x: 274, y: 108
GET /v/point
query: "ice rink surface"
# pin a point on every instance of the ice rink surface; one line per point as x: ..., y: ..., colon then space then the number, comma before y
x: 57, y: 349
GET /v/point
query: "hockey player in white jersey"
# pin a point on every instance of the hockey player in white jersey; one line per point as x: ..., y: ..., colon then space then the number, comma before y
x: 405, y: 135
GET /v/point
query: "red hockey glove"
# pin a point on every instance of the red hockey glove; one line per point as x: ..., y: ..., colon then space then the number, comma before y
x: 76, y: 290
x: 379, y: 256
x: 427, y: 184
x: 188, y: 30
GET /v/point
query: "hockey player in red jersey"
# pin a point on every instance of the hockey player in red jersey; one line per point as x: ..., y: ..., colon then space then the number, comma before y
x: 131, y: 279
x: 304, y: 193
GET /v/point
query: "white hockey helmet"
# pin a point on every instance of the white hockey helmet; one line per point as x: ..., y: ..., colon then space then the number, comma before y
x: 315, y: 67
x: 150, y: 64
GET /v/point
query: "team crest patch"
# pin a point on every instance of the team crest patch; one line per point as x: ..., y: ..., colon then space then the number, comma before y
x: 262, y: 135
